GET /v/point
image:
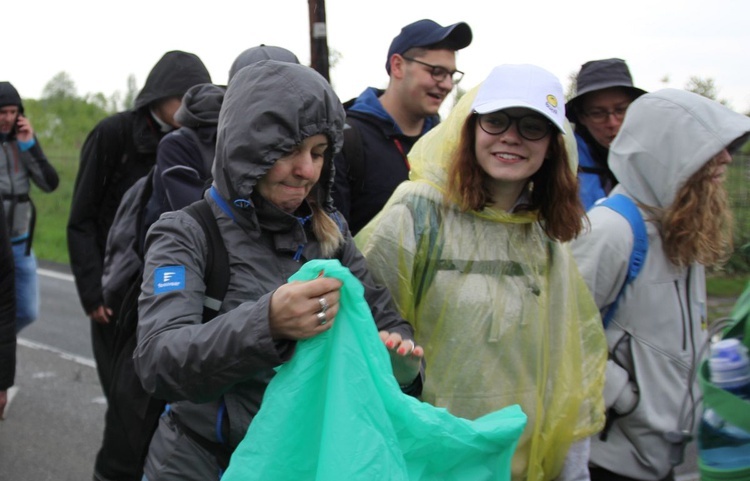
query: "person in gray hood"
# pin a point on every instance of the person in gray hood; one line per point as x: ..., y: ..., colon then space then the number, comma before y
x: 670, y: 157
x: 279, y: 127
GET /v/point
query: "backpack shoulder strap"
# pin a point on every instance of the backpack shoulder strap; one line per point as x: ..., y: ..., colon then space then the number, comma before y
x: 625, y: 206
x: 217, y: 262
x: 354, y: 155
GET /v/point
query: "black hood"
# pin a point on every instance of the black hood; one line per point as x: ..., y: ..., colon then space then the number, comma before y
x: 172, y: 76
x: 9, y: 96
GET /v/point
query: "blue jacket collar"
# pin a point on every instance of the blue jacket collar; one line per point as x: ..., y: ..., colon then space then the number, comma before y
x: 369, y: 103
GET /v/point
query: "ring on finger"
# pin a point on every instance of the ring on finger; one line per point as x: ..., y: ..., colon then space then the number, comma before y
x: 323, y: 304
x: 413, y: 345
x: 321, y: 317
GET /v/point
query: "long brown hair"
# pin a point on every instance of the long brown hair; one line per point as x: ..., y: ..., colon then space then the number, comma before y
x: 554, y: 193
x: 698, y: 226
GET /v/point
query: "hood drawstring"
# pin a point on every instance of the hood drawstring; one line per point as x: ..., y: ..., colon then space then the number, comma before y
x: 302, y: 221
x: 242, y: 203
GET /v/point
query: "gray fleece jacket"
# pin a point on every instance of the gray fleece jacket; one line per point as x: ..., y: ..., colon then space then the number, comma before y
x: 215, y: 374
x: 657, y: 330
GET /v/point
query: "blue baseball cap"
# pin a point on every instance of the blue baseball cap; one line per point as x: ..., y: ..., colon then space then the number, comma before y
x: 424, y: 33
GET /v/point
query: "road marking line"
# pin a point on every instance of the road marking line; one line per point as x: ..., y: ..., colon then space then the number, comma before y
x: 56, y: 275
x: 65, y: 355
x: 688, y: 477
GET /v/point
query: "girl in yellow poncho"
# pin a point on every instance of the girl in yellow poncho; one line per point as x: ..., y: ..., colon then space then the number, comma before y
x: 473, y: 251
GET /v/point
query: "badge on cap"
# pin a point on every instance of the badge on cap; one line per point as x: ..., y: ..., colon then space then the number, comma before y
x: 169, y: 278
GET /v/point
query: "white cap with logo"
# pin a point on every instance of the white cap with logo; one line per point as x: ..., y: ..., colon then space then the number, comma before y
x: 522, y: 85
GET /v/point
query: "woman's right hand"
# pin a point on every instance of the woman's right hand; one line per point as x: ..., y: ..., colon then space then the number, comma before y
x: 296, y: 307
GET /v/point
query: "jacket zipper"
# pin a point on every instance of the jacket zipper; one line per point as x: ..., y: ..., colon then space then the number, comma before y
x: 10, y: 217
x: 682, y: 314
x: 690, y: 311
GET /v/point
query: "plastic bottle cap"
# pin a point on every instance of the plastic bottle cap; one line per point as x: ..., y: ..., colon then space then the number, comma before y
x: 729, y: 364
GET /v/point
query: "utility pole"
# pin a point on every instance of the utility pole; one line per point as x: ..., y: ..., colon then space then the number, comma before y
x: 318, y: 37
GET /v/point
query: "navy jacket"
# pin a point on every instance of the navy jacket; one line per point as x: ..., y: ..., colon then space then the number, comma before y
x: 384, y: 155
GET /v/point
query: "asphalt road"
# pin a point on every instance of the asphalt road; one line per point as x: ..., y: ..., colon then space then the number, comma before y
x: 53, y: 427
x: 54, y: 424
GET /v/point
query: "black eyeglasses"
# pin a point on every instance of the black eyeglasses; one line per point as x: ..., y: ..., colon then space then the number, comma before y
x: 439, y: 73
x: 530, y: 127
x: 599, y: 116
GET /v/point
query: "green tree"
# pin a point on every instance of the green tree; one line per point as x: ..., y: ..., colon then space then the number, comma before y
x: 62, y: 119
x: 61, y: 86
x: 570, y: 90
x: 705, y: 87
x: 131, y: 93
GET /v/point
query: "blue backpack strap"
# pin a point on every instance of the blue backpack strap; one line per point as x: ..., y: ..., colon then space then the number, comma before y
x: 625, y: 206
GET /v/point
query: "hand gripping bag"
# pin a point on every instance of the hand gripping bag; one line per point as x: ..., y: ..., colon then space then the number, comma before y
x: 335, y: 412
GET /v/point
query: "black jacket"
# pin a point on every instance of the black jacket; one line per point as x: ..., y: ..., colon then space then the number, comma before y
x: 117, y: 152
x: 7, y: 310
x: 384, y: 149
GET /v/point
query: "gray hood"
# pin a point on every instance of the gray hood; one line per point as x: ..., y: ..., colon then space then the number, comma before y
x: 666, y: 137
x: 261, y: 52
x: 269, y: 108
x: 200, y: 106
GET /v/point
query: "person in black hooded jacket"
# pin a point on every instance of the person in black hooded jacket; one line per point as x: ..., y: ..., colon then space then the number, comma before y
x: 117, y: 152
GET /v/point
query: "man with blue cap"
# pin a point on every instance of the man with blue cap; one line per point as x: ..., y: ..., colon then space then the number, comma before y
x: 382, y: 125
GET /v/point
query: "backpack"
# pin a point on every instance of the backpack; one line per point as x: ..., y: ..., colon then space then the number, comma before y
x: 625, y: 206
x: 123, y: 257
x: 132, y: 412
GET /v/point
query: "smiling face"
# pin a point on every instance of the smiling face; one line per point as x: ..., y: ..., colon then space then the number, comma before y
x: 421, y: 94
x: 507, y: 158
x: 291, y: 178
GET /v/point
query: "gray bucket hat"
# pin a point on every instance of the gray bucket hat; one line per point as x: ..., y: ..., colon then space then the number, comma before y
x: 598, y: 75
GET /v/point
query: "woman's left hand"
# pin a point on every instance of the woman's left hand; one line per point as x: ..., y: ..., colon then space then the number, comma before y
x: 406, y: 356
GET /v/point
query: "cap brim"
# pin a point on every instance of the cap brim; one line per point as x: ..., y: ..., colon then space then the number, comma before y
x: 503, y: 104
x: 458, y: 35
x: 570, y: 110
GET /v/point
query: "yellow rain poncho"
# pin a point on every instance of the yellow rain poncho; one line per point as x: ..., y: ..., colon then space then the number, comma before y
x: 501, y: 310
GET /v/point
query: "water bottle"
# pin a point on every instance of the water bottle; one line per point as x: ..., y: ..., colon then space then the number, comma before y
x: 721, y: 445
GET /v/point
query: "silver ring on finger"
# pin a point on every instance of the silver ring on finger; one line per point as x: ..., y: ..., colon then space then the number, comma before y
x: 323, y: 304
x: 413, y: 346
x: 321, y: 317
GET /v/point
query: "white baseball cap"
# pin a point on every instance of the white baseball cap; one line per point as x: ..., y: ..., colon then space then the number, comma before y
x: 522, y: 85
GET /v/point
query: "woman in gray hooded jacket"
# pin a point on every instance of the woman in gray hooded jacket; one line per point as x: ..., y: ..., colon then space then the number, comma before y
x: 279, y: 126
x: 670, y: 158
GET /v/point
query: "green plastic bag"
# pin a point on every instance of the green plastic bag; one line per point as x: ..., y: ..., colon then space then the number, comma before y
x: 335, y: 412
x: 733, y: 409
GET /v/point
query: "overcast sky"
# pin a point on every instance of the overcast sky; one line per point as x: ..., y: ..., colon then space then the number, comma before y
x: 100, y: 43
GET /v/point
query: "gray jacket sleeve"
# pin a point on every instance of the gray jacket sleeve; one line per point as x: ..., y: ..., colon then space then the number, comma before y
x: 177, y: 356
x: 602, y: 254
x: 41, y: 171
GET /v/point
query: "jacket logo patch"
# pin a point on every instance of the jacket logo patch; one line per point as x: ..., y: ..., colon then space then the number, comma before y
x: 170, y: 278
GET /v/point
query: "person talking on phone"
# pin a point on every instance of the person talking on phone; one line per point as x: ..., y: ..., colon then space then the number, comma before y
x: 23, y: 162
